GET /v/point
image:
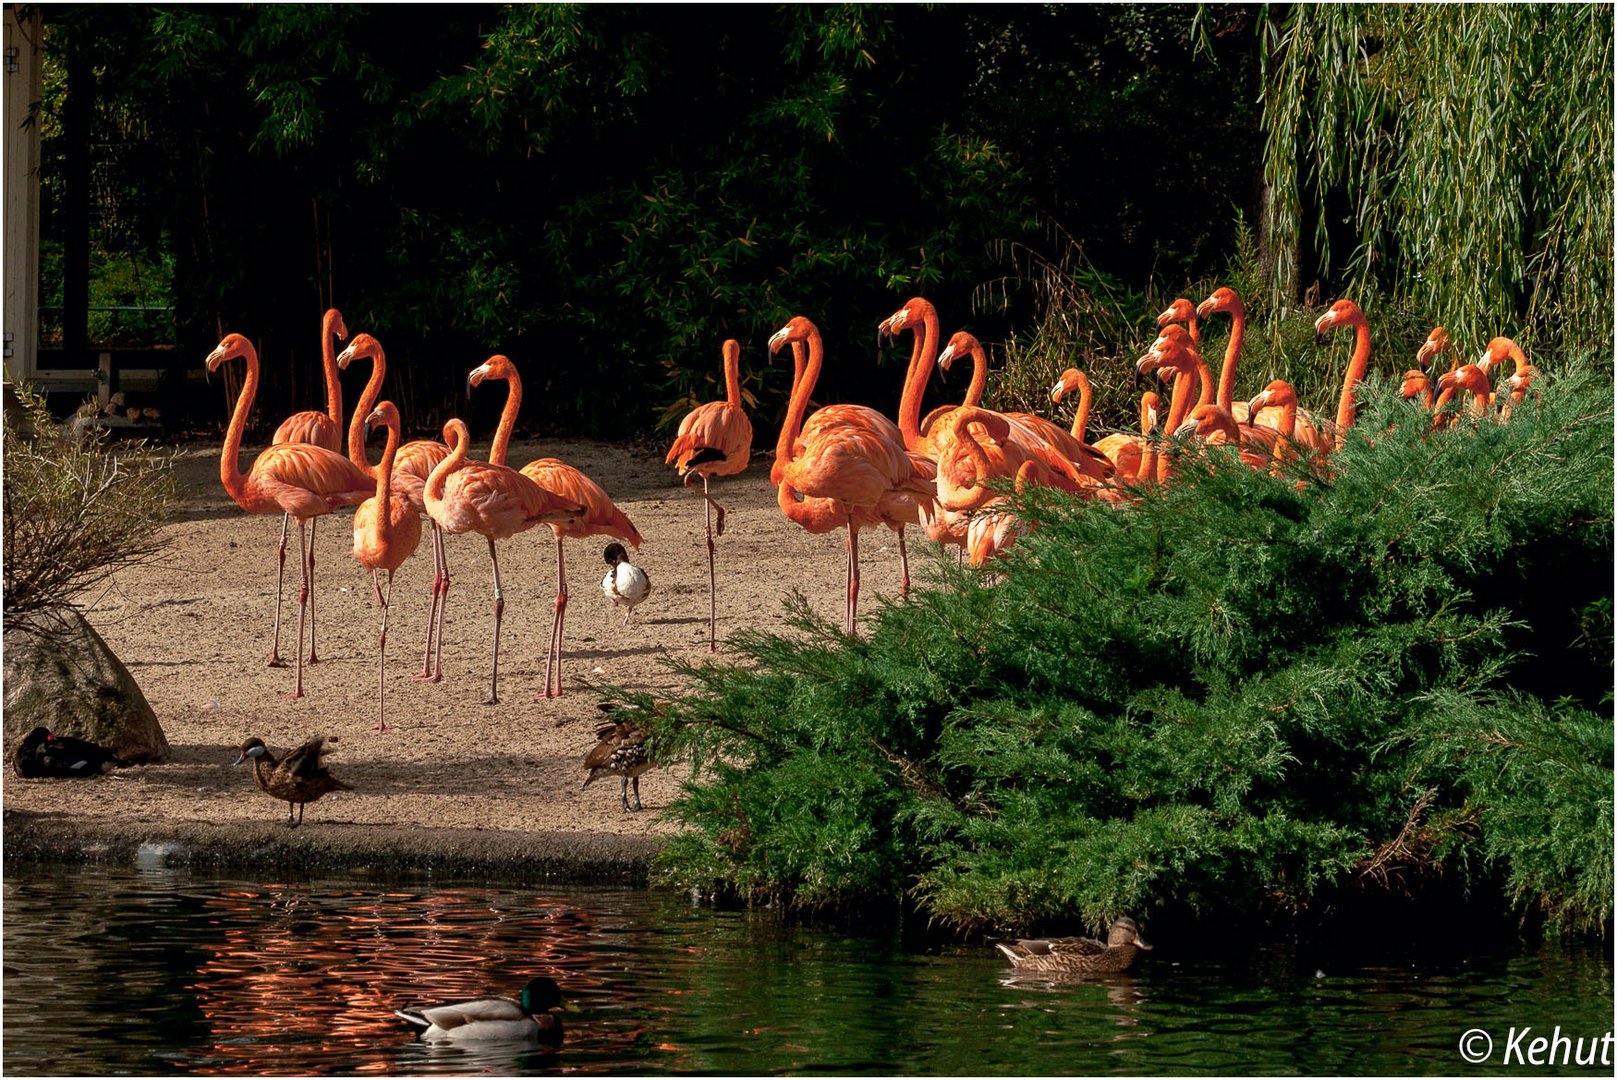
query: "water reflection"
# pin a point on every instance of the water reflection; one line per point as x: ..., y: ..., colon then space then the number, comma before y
x: 160, y: 973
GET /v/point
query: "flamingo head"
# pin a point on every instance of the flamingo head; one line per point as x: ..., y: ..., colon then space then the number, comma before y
x: 498, y: 366
x: 385, y: 415
x: 731, y: 350
x: 334, y: 324
x: 1498, y: 351
x: 1207, y: 420
x: 1522, y: 378
x: 1068, y: 381
x: 962, y: 344
x: 1436, y: 342
x: 363, y: 346
x: 232, y: 346
x: 1223, y: 299
x: 1150, y: 405
x: 908, y: 317
x: 1181, y: 310
x: 1277, y: 393
x: 1415, y: 383
x: 1341, y: 313
x: 799, y: 329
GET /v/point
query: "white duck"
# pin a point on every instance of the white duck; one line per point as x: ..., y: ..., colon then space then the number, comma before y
x: 625, y: 584
x: 493, y: 1019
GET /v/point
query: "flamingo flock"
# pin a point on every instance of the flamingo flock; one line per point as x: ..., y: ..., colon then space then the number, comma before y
x: 840, y: 467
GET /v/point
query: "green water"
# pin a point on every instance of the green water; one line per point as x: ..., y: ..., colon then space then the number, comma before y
x: 156, y: 972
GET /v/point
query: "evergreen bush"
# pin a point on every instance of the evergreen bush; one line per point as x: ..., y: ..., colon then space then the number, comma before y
x: 1246, y: 692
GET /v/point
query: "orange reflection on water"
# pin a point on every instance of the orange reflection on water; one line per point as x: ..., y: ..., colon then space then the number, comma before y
x: 326, y: 971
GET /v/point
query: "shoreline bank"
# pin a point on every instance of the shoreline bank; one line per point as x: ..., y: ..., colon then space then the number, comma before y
x: 332, y: 849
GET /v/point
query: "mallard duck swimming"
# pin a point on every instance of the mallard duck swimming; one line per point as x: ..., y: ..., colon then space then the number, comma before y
x: 43, y: 753
x: 300, y: 777
x: 1078, y: 954
x: 621, y: 751
x: 526, y: 1018
x: 625, y: 584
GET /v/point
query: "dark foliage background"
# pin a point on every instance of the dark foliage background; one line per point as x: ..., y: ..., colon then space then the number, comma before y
x: 607, y: 192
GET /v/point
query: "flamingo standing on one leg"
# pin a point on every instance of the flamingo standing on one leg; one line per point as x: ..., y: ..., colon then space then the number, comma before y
x: 387, y: 530
x: 714, y: 439
x: 293, y: 478
x: 323, y: 429
x: 849, y: 454
x: 414, y: 462
x: 496, y: 502
x: 598, y: 515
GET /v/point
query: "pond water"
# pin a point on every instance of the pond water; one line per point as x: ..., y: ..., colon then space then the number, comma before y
x: 152, y: 971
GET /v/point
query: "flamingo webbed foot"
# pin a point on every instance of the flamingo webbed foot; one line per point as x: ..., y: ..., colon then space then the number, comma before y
x: 276, y: 661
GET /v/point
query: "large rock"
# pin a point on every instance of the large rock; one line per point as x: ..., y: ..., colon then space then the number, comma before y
x: 61, y: 675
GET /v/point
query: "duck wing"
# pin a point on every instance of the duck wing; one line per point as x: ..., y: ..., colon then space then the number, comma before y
x: 460, y: 1013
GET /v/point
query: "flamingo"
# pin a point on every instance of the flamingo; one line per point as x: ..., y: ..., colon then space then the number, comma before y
x: 846, y: 453
x: 1415, y: 384
x: 1216, y: 426
x: 598, y: 515
x: 1175, y: 351
x: 1226, y: 300
x: 1498, y: 351
x: 993, y: 532
x: 323, y: 429
x: 1347, y: 313
x: 414, y: 462
x: 968, y: 462
x: 1032, y: 432
x: 1435, y: 344
x: 1278, y: 393
x: 714, y: 440
x: 1469, y: 378
x: 496, y: 502
x: 387, y: 530
x: 1123, y: 450
x: 297, y: 479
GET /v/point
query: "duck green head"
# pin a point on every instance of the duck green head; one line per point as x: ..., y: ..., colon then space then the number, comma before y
x: 540, y: 995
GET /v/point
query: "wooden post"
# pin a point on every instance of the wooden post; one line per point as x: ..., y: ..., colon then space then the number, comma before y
x: 21, y: 227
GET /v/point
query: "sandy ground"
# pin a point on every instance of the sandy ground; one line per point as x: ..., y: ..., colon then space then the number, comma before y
x: 195, y: 634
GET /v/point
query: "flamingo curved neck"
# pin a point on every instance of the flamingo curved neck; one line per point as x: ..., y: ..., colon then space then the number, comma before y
x: 979, y: 376
x: 1232, y: 355
x: 328, y: 357
x: 384, y: 473
x: 803, y: 387
x: 456, y: 437
x: 732, y: 374
x: 923, y: 356
x: 1080, y: 420
x: 508, y: 419
x: 230, y: 474
x: 357, y: 452
x: 1346, y: 407
x: 972, y: 448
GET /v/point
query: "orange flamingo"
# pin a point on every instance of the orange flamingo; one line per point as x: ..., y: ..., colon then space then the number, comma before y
x: 598, y: 515
x: 1278, y: 394
x: 920, y: 318
x: 1122, y: 449
x: 1347, y: 313
x: 1034, y: 433
x: 1226, y: 300
x: 1216, y: 426
x: 414, y: 461
x: 323, y: 429
x: 1468, y: 378
x: 496, y: 502
x: 846, y: 453
x: 1174, y: 352
x: 980, y: 447
x: 298, y: 479
x: 1435, y: 344
x: 992, y: 531
x: 1415, y: 384
x: 387, y: 530
x: 714, y: 440
x: 1498, y: 351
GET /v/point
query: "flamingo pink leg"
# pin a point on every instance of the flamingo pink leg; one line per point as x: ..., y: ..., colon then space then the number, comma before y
x: 712, y: 596
x: 313, y: 659
x: 381, y: 654
x: 280, y: 577
x: 499, y: 609
x: 440, y: 586
x: 303, y: 602
x: 904, y: 567
x: 553, y: 657
x: 853, y: 573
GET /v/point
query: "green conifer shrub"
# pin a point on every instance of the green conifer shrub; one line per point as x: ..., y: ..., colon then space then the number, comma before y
x: 1247, y: 692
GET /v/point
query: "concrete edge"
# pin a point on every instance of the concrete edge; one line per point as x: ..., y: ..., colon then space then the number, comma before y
x: 331, y: 849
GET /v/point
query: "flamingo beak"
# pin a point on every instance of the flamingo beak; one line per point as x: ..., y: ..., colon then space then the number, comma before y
x: 1205, y: 308
x: 946, y: 357
x: 344, y: 356
x: 777, y: 339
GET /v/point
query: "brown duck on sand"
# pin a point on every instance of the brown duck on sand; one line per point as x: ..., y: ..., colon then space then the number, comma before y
x: 621, y: 751
x: 300, y: 777
x: 1077, y: 955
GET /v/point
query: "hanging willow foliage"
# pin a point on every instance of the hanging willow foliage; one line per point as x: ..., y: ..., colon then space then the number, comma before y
x: 1470, y: 146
